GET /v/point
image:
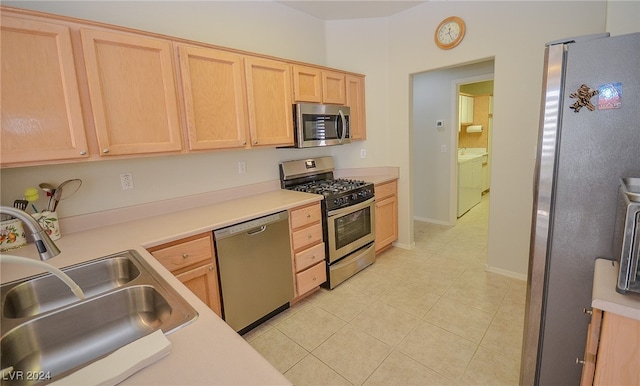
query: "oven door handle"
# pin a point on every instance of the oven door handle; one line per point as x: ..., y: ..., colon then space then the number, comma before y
x: 352, y: 208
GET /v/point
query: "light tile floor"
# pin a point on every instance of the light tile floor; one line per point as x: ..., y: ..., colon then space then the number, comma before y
x: 427, y: 316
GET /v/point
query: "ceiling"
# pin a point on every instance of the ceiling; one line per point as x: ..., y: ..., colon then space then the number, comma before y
x: 346, y: 9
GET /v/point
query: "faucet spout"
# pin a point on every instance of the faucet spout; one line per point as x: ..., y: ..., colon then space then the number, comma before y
x: 73, y: 286
x: 46, y: 247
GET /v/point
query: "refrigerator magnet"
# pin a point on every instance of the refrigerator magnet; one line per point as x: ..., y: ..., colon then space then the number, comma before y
x: 584, y: 95
x: 610, y: 96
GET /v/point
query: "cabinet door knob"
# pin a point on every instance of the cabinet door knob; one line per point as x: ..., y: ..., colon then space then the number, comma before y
x: 83, y: 152
x: 105, y: 151
x: 308, y: 215
x: 185, y: 255
x: 588, y: 312
x: 210, y: 268
x: 580, y: 362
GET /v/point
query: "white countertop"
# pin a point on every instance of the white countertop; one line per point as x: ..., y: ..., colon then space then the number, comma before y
x: 604, y: 294
x: 206, y: 351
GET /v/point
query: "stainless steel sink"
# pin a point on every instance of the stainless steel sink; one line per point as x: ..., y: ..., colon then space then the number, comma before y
x: 49, y: 292
x: 54, y: 334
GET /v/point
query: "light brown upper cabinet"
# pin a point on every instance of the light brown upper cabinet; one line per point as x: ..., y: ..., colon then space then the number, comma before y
x: 333, y: 87
x: 355, y: 100
x: 269, y: 102
x: 307, y: 84
x: 132, y: 91
x: 214, y: 95
x: 312, y: 84
x: 40, y: 105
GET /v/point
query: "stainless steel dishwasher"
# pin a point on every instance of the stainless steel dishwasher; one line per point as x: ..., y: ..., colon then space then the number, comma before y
x: 254, y: 265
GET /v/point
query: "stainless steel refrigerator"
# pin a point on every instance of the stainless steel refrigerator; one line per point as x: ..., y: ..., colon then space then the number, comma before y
x: 589, y: 138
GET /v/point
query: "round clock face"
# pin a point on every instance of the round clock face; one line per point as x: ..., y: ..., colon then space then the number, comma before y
x: 450, y: 32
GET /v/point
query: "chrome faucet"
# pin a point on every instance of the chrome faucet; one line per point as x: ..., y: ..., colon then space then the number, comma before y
x: 46, y: 247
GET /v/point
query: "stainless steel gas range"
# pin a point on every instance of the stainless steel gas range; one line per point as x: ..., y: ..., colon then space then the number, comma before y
x: 348, y: 215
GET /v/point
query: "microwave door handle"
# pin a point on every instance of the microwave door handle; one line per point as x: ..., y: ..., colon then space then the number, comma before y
x: 344, y: 126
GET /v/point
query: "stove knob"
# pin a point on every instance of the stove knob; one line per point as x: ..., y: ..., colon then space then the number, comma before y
x: 336, y: 201
x: 354, y: 196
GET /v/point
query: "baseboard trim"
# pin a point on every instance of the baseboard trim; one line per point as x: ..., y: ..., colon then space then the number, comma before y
x: 504, y: 272
x: 432, y: 221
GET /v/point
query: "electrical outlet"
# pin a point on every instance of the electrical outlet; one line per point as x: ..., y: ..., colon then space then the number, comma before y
x: 126, y: 180
x: 242, y: 167
x: 363, y: 153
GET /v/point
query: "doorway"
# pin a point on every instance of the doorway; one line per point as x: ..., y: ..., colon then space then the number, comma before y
x: 435, y: 138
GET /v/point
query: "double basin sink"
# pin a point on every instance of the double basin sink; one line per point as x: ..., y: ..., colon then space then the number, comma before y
x: 48, y: 333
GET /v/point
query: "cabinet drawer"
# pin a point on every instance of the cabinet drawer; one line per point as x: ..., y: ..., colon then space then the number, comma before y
x: 305, y: 216
x: 307, y: 236
x: 184, y: 254
x: 309, y: 257
x: 311, y: 278
x: 385, y: 190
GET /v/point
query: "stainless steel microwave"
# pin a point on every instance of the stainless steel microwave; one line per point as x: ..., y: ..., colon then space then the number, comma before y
x: 320, y: 125
x: 627, y: 236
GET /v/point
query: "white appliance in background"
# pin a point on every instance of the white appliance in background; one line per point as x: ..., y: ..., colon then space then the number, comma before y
x: 589, y: 139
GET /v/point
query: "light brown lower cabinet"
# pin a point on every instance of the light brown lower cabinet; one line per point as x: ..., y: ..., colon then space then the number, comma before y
x: 309, y: 266
x: 192, y: 261
x: 386, y: 215
x: 612, y: 353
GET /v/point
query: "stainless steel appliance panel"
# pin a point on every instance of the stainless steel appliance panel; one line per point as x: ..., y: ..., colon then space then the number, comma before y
x: 350, y: 228
x: 255, y: 269
x: 581, y: 158
x: 626, y: 243
x: 352, y: 264
x: 321, y: 125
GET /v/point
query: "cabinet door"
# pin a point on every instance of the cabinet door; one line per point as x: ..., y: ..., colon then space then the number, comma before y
x: 40, y: 104
x: 333, y: 87
x: 618, y: 356
x: 202, y: 281
x: 132, y: 90
x: 307, y: 84
x: 355, y: 100
x: 386, y: 222
x: 269, y: 102
x: 214, y: 97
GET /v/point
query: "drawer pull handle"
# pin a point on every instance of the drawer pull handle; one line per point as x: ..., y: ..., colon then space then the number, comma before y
x: 308, y: 215
x: 210, y: 268
x: 314, y: 278
x: 579, y: 362
x: 313, y: 257
x: 585, y: 311
x: 185, y: 255
x: 310, y: 236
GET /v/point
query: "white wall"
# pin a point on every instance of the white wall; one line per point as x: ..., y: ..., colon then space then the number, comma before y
x: 514, y: 34
x: 262, y: 26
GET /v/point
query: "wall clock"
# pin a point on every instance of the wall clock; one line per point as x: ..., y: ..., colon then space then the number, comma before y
x: 450, y: 32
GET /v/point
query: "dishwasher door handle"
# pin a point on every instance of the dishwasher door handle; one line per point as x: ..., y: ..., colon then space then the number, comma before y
x: 256, y: 231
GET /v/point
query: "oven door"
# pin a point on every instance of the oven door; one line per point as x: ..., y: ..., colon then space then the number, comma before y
x: 350, y: 228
